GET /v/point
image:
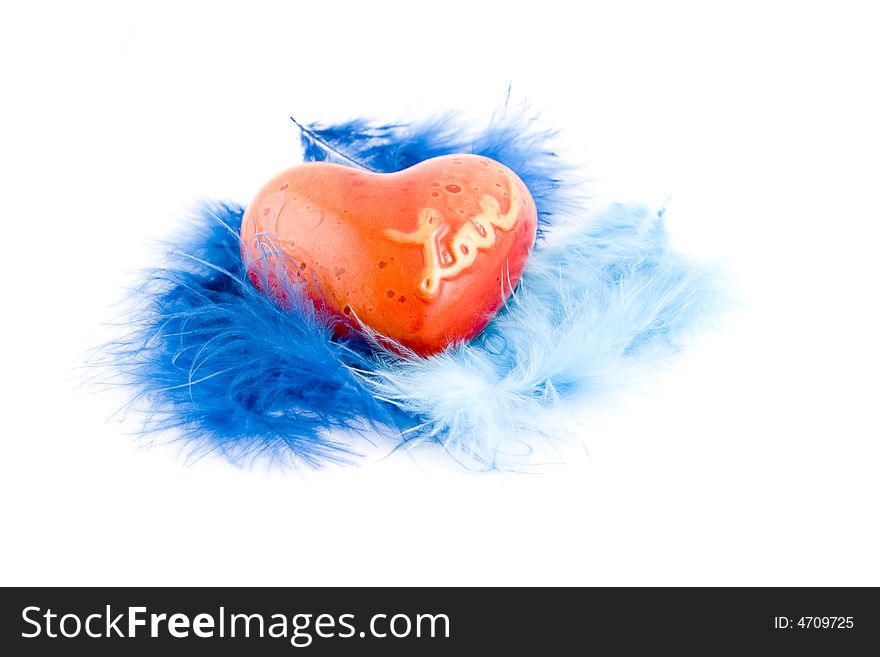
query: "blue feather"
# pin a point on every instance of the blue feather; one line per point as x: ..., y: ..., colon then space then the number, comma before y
x: 230, y: 370
x: 220, y: 362
x: 512, y: 137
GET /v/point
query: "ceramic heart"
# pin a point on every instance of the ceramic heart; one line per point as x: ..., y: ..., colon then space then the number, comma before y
x: 424, y: 256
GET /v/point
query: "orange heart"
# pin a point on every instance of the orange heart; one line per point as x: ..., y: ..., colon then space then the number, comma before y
x: 425, y: 256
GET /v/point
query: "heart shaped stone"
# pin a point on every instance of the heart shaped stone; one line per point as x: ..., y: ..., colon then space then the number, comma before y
x: 424, y: 256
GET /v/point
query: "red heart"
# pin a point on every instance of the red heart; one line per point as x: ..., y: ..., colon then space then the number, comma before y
x: 425, y: 256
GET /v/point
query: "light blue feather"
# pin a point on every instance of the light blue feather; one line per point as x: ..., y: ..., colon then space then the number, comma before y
x: 608, y: 296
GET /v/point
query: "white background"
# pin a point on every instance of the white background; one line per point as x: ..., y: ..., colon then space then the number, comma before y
x: 753, y: 460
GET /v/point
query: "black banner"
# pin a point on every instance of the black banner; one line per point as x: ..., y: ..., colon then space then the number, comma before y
x: 438, y: 621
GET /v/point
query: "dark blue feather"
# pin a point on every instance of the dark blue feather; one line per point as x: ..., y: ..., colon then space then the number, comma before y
x: 214, y: 358
x: 512, y: 137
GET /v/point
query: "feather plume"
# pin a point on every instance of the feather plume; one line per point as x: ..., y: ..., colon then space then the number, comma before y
x: 513, y: 137
x: 216, y: 360
x: 607, y: 297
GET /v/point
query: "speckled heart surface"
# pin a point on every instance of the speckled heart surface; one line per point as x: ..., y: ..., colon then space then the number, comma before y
x: 424, y: 256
